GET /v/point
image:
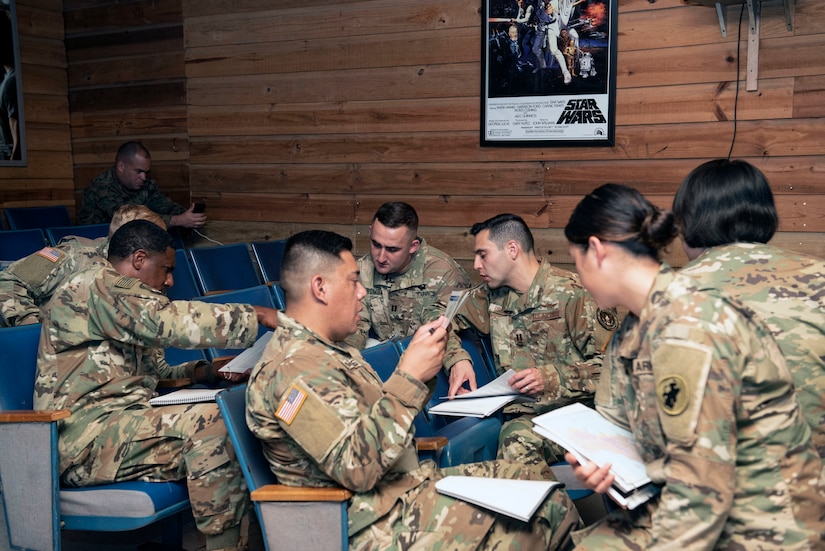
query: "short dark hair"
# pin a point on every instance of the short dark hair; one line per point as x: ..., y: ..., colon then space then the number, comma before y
x: 620, y: 214
x: 309, y: 252
x: 725, y: 201
x: 130, y: 150
x: 503, y: 228
x: 396, y: 214
x: 139, y: 234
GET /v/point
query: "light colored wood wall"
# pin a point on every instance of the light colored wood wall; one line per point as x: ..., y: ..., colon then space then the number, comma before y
x: 47, y: 180
x: 303, y: 113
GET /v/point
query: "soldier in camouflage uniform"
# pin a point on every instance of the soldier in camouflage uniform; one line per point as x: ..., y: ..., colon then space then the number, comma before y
x: 128, y: 182
x: 101, y: 356
x: 404, y: 278
x: 703, y: 387
x: 541, y: 323
x: 325, y: 419
x: 27, y: 284
x: 728, y: 251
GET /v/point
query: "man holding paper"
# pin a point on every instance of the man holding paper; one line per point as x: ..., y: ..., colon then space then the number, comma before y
x: 101, y: 356
x: 542, y: 324
x: 325, y: 418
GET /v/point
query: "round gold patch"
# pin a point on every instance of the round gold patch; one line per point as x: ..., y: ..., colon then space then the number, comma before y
x: 607, y: 318
x: 673, y: 394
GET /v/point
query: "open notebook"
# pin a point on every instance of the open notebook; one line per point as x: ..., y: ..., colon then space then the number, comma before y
x: 515, y: 498
x: 483, y: 401
x: 185, y: 396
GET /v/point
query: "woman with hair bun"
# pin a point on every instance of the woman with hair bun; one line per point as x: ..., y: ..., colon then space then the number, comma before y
x: 705, y: 391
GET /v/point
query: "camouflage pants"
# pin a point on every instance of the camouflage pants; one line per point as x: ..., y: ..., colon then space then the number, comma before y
x: 619, y: 531
x: 171, y: 443
x: 517, y: 441
x: 423, y: 519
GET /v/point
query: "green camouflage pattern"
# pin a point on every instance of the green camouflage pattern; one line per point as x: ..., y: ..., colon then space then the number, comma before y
x: 398, y: 304
x: 352, y: 430
x: 787, y: 291
x: 26, y: 285
x: 550, y: 327
x: 106, y: 194
x: 710, y: 401
x: 101, y: 356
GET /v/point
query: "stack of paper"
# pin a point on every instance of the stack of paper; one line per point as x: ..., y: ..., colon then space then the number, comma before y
x: 516, y: 498
x: 590, y: 437
x: 483, y: 401
x: 185, y: 396
x: 247, y: 359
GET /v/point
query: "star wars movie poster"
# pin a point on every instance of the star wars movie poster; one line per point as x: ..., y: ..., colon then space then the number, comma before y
x: 549, y: 74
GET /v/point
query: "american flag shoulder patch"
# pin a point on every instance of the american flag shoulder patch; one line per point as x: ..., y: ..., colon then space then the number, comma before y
x: 51, y: 254
x: 291, y: 405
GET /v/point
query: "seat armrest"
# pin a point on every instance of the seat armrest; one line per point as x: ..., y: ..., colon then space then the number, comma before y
x: 430, y: 443
x: 179, y: 382
x: 33, y: 416
x: 280, y: 492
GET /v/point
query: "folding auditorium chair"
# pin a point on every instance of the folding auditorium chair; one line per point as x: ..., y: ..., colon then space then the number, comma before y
x: 185, y: 287
x: 35, y: 507
x: 259, y: 295
x: 447, y: 441
x: 91, y: 231
x: 224, y: 268
x: 269, y: 254
x: 291, y: 517
x: 278, y: 296
x: 15, y: 244
x: 25, y: 218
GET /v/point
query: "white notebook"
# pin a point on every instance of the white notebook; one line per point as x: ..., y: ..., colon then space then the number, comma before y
x: 515, y: 498
x: 483, y: 401
x: 185, y: 396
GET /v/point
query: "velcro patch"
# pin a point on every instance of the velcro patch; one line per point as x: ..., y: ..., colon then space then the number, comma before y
x: 291, y: 405
x: 681, y: 371
x: 51, y: 254
x: 126, y: 282
x: 315, y: 425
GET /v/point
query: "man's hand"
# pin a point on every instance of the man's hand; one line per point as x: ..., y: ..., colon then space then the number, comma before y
x: 424, y: 355
x: 527, y: 381
x: 188, y: 219
x: 229, y: 376
x: 460, y: 373
x: 597, y: 479
x: 268, y: 317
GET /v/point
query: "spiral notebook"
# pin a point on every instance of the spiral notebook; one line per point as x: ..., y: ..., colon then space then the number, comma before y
x: 185, y: 396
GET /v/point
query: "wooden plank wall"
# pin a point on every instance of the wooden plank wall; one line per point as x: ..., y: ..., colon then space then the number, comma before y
x: 47, y: 178
x: 308, y: 113
x: 126, y: 82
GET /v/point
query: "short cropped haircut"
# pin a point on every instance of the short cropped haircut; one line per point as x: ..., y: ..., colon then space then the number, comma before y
x: 127, y: 213
x: 506, y: 227
x: 306, y: 254
x: 139, y: 234
x: 396, y: 214
x: 724, y: 201
x: 130, y: 150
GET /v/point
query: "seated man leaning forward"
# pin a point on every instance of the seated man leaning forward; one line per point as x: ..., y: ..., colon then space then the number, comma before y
x: 326, y: 419
x: 101, y: 356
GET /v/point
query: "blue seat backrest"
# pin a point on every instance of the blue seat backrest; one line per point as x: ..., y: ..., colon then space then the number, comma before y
x: 175, y: 356
x: 184, y: 287
x: 224, y: 268
x: 91, y: 231
x: 269, y: 255
x: 232, y: 403
x: 24, y: 218
x: 278, y: 296
x: 471, y: 342
x: 16, y: 244
x: 18, y: 365
x: 259, y: 295
x: 383, y: 358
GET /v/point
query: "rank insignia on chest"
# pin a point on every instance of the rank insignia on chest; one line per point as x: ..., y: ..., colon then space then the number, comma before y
x: 291, y: 405
x: 673, y: 395
x: 351, y: 363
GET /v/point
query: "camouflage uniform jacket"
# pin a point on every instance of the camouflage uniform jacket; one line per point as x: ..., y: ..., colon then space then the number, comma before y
x: 106, y: 194
x: 398, y: 304
x: 27, y: 284
x: 101, y: 349
x: 786, y: 290
x: 550, y: 327
x: 349, y: 429
x: 707, y: 395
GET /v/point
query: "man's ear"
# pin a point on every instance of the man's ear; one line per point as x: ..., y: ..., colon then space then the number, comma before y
x: 416, y: 243
x: 138, y: 259
x: 318, y: 288
x: 512, y: 249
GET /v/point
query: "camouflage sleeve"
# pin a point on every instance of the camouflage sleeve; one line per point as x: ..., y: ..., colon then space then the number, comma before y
x: 30, y: 281
x: 161, y: 204
x: 100, y: 200
x: 163, y: 370
x: 612, y: 386
x: 354, y: 443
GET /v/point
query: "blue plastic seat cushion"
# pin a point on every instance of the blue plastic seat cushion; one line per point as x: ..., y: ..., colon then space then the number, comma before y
x: 134, y: 499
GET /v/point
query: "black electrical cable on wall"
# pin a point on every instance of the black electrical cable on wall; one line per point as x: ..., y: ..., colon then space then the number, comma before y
x: 738, y: 67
